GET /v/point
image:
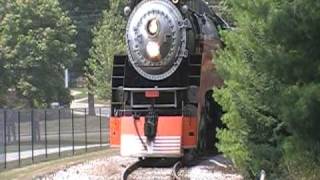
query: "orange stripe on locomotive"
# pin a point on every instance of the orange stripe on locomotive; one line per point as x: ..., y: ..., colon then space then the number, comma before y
x: 174, y: 134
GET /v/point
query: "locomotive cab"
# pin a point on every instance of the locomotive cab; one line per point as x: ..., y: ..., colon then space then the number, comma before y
x: 158, y: 88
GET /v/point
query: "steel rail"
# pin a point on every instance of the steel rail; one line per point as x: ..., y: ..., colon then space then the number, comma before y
x: 141, y: 163
x: 125, y: 174
x: 175, y: 170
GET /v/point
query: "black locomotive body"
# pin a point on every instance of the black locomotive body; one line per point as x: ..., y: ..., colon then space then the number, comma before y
x: 158, y: 87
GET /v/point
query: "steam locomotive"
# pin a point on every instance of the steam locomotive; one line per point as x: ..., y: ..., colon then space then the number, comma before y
x: 159, y: 88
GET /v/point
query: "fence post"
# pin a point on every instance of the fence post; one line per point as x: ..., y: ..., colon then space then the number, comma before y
x: 19, y: 138
x: 5, y: 138
x: 59, y: 132
x: 85, y: 127
x: 45, y: 133
x: 100, y: 118
x: 32, y: 135
x: 72, y: 124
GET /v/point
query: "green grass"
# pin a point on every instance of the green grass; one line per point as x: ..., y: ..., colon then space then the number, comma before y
x: 93, y: 125
x: 83, y: 93
x: 79, y: 141
x: 93, y: 133
x: 101, y: 101
x: 32, y: 171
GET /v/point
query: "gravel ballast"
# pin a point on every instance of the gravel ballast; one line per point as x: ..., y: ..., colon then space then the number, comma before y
x: 110, y: 168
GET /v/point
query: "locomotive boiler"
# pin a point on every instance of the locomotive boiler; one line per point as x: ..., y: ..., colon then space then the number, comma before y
x: 159, y: 86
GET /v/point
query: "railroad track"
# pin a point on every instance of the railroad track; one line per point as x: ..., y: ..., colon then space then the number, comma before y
x: 141, y: 163
x: 175, y: 170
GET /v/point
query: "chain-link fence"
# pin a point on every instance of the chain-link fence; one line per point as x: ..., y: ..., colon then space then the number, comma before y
x: 30, y: 136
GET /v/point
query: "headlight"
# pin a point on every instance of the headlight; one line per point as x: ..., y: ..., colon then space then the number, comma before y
x: 153, y: 50
x: 153, y: 27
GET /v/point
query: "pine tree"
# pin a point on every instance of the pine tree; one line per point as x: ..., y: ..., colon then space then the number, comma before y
x: 271, y: 68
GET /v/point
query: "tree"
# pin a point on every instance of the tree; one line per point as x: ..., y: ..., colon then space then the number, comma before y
x: 272, y: 81
x: 84, y: 16
x: 3, y: 79
x: 37, y: 43
x: 108, y: 40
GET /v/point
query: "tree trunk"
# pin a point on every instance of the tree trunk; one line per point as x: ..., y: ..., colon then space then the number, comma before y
x: 92, y: 111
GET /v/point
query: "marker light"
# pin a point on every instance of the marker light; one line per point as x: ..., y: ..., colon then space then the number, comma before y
x: 152, y: 94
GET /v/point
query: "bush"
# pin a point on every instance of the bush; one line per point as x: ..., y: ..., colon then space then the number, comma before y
x: 271, y: 68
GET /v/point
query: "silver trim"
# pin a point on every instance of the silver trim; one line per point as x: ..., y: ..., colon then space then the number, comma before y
x: 155, y: 88
x: 135, y: 33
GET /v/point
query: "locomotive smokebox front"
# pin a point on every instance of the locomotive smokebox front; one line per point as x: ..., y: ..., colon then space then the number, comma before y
x: 156, y: 39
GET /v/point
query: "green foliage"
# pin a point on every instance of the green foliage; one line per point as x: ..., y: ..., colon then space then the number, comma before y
x: 271, y: 68
x: 3, y: 72
x: 36, y: 44
x: 84, y: 16
x: 109, y: 40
